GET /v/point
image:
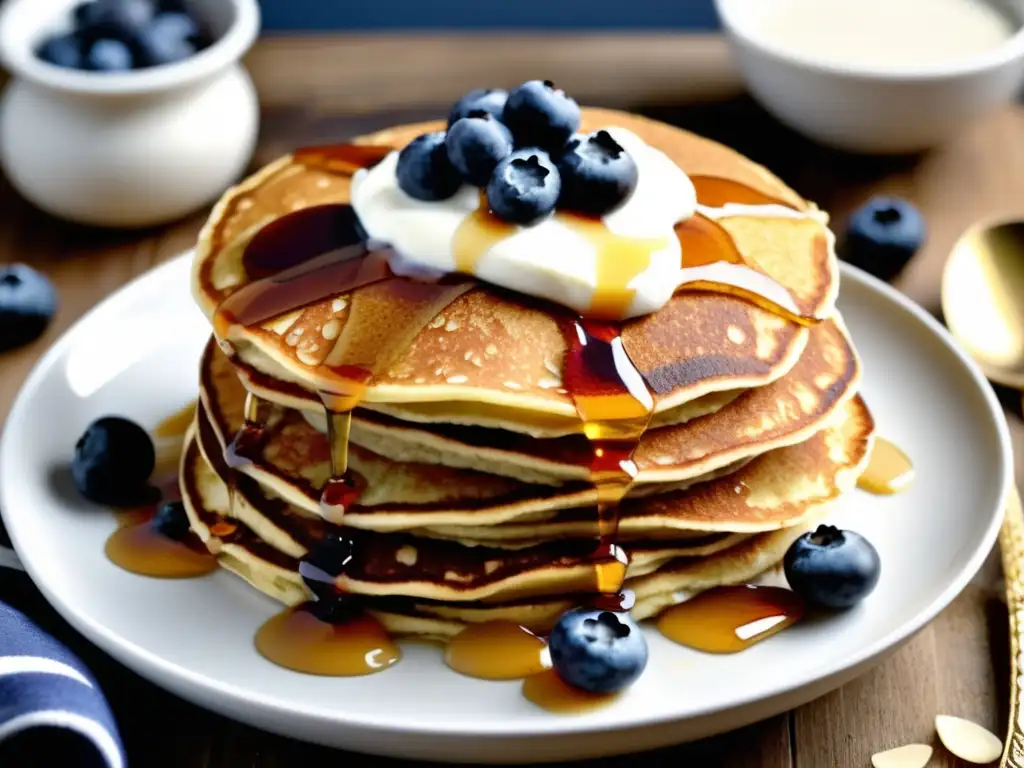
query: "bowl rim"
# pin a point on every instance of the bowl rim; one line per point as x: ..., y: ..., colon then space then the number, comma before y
x: 1008, y: 51
x: 18, y: 55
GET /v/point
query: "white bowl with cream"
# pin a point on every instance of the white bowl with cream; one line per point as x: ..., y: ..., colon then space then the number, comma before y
x: 878, y: 76
x: 128, y: 149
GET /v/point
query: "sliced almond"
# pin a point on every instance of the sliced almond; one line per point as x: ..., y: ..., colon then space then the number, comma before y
x: 967, y: 740
x: 909, y: 756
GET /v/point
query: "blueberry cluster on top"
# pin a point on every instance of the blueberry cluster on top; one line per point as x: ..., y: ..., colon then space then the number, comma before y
x: 121, y: 35
x: 523, y: 148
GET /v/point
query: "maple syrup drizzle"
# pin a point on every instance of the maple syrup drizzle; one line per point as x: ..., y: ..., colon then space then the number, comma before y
x: 615, y: 406
x: 889, y: 469
x: 140, y: 547
x: 731, y: 619
x: 300, y: 640
x: 716, y: 192
x: 315, y: 253
x: 497, y: 650
x: 618, y: 259
x: 548, y: 691
x: 712, y: 262
x: 342, y: 159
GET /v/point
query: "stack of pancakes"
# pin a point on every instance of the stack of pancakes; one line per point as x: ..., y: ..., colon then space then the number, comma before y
x: 476, y: 502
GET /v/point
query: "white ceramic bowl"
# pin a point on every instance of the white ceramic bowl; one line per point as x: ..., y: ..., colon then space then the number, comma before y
x: 870, y: 109
x: 128, y: 149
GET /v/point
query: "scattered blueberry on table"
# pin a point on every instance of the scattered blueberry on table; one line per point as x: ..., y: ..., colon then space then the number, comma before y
x: 28, y: 302
x: 113, y: 461
x: 122, y: 35
x: 598, y: 651
x: 883, y: 235
x: 522, y: 148
x: 832, y: 568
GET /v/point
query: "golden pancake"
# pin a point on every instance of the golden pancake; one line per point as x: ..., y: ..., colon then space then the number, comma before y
x: 402, y: 494
x: 275, y: 573
x: 493, y: 359
x: 776, y: 490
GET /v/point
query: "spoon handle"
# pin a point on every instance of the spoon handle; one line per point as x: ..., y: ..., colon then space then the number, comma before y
x: 1011, y: 543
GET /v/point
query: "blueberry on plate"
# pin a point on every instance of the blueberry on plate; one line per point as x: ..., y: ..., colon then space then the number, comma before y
x: 113, y: 460
x: 539, y: 115
x: 108, y: 55
x: 325, y: 561
x: 424, y: 170
x: 598, y: 651
x: 883, y: 235
x: 831, y: 568
x: 476, y: 144
x: 172, y: 520
x: 524, y: 186
x: 114, y: 19
x: 62, y: 50
x: 490, y: 100
x: 169, y: 38
x: 28, y: 302
x: 597, y: 174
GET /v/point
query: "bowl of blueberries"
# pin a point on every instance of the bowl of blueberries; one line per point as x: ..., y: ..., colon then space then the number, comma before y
x: 126, y: 113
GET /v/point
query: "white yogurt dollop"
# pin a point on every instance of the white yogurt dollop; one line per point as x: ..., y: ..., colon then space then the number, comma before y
x: 624, y: 266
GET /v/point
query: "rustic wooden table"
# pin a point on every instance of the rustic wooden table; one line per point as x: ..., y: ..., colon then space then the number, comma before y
x: 957, y: 665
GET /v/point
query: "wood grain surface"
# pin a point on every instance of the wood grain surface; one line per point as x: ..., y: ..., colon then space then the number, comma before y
x: 320, y: 89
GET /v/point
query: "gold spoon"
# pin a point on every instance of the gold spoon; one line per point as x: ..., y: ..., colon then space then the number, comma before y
x: 983, y: 298
x: 983, y: 304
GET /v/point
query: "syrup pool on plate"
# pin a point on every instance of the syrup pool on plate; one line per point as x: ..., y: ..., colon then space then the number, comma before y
x: 138, y: 545
x: 889, y: 469
x: 731, y: 619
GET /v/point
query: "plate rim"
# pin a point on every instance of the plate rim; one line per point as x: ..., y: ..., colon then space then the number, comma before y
x: 205, y: 688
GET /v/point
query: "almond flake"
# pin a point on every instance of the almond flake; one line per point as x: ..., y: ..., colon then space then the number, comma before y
x: 967, y: 740
x: 909, y: 756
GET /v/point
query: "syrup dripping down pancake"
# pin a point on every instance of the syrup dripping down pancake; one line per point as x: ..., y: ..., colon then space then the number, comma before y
x: 275, y: 573
x: 402, y: 493
x: 493, y: 359
x: 782, y: 487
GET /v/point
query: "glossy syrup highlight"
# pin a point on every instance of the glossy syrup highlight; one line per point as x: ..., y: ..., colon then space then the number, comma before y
x: 731, y: 619
x: 889, y: 469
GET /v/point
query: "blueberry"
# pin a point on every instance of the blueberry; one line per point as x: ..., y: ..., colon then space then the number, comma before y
x: 490, y: 100
x: 598, y: 651
x: 172, y: 520
x: 424, y: 170
x: 539, y: 115
x: 85, y: 14
x: 524, y: 186
x: 28, y: 302
x: 62, y: 50
x: 325, y: 561
x: 882, y: 236
x: 113, y: 460
x: 597, y: 174
x: 106, y: 55
x: 114, y: 19
x: 476, y: 144
x: 167, y: 40
x: 831, y: 568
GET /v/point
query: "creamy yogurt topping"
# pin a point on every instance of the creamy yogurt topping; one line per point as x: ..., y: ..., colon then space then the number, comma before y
x: 624, y: 265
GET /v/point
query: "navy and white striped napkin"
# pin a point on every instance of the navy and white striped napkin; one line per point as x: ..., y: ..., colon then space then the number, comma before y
x: 45, y: 688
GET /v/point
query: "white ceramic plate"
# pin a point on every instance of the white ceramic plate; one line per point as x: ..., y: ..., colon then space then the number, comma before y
x: 136, y: 355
